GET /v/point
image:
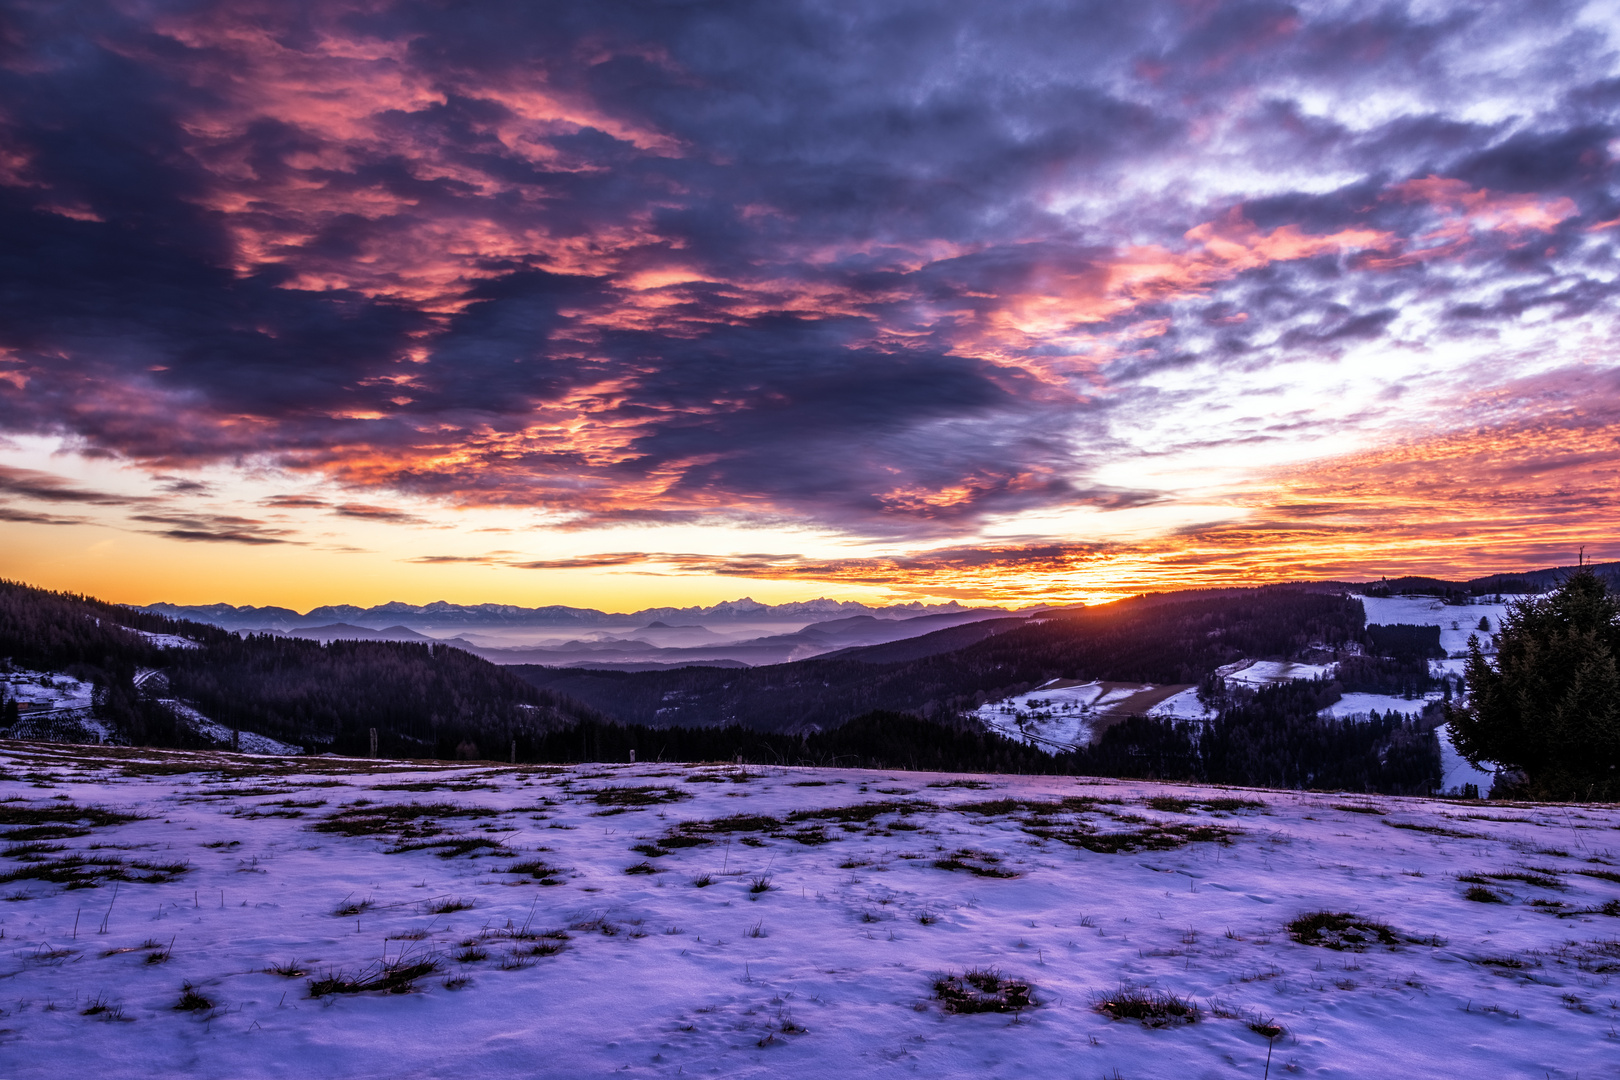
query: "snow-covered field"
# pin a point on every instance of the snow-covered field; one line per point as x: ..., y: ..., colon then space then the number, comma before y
x: 168, y: 641
x: 663, y: 920
x: 1456, y: 622
x: 1258, y: 673
x: 1065, y: 713
x: 46, y: 690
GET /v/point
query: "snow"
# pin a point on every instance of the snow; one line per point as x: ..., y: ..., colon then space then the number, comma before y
x: 1360, y: 705
x: 52, y: 707
x: 47, y: 690
x: 1064, y: 713
x: 1182, y: 706
x: 57, y: 708
x: 1258, y: 673
x: 1456, y: 622
x: 1455, y: 769
x: 249, y: 742
x: 168, y: 641
x: 683, y: 986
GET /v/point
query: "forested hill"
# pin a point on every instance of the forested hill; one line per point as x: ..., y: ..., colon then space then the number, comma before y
x: 58, y: 631
x: 425, y: 700
x: 1150, y: 640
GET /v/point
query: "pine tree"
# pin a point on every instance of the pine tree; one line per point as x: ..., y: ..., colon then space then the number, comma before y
x: 1550, y: 708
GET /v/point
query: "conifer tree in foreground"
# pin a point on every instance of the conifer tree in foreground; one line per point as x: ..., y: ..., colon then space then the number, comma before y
x: 1550, y: 707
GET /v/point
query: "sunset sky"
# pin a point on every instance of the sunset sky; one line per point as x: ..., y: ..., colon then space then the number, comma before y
x: 622, y: 304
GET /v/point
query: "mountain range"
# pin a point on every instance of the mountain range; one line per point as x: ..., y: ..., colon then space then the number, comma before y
x: 442, y: 614
x: 748, y: 633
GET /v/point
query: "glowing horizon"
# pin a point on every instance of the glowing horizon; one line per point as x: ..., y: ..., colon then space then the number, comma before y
x: 620, y: 307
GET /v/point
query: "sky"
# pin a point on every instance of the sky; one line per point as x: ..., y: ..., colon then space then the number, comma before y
x: 630, y: 304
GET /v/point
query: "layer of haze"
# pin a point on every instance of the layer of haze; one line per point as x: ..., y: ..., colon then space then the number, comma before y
x: 622, y: 304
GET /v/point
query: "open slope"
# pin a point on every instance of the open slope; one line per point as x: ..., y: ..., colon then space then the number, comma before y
x: 702, y: 920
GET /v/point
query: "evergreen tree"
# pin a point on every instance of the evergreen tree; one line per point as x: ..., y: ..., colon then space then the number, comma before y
x: 1550, y: 708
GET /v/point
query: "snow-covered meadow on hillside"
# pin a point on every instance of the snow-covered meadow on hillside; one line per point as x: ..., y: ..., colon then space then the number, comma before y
x: 1067, y: 713
x: 206, y: 914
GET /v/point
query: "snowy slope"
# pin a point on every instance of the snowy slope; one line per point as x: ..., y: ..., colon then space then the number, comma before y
x: 1258, y: 673
x: 826, y: 973
x: 1455, y: 622
x: 1065, y: 713
x: 168, y: 641
x: 249, y: 742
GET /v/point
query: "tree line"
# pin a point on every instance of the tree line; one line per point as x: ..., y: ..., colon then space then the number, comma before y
x: 1271, y: 738
x: 1150, y: 640
x: 424, y: 700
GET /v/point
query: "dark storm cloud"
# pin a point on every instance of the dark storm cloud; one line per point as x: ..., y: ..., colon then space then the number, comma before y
x: 888, y: 269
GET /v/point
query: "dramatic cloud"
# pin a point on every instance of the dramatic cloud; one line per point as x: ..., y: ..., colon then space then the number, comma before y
x: 1025, y: 286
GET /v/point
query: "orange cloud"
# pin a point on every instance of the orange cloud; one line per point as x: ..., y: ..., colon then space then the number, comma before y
x: 1465, y: 213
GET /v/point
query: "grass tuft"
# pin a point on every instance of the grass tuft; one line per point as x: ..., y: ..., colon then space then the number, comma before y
x: 1153, y: 1008
x: 392, y: 977
x: 978, y: 863
x: 100, y: 1006
x: 1340, y: 930
x: 192, y: 1000
x: 862, y: 813
x: 980, y: 990
x: 628, y: 798
x: 445, y: 907
x: 410, y: 821
x: 538, y: 869
x: 452, y: 846
x: 1481, y: 895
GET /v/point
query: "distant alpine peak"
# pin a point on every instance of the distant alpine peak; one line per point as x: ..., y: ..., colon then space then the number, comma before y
x: 442, y: 613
